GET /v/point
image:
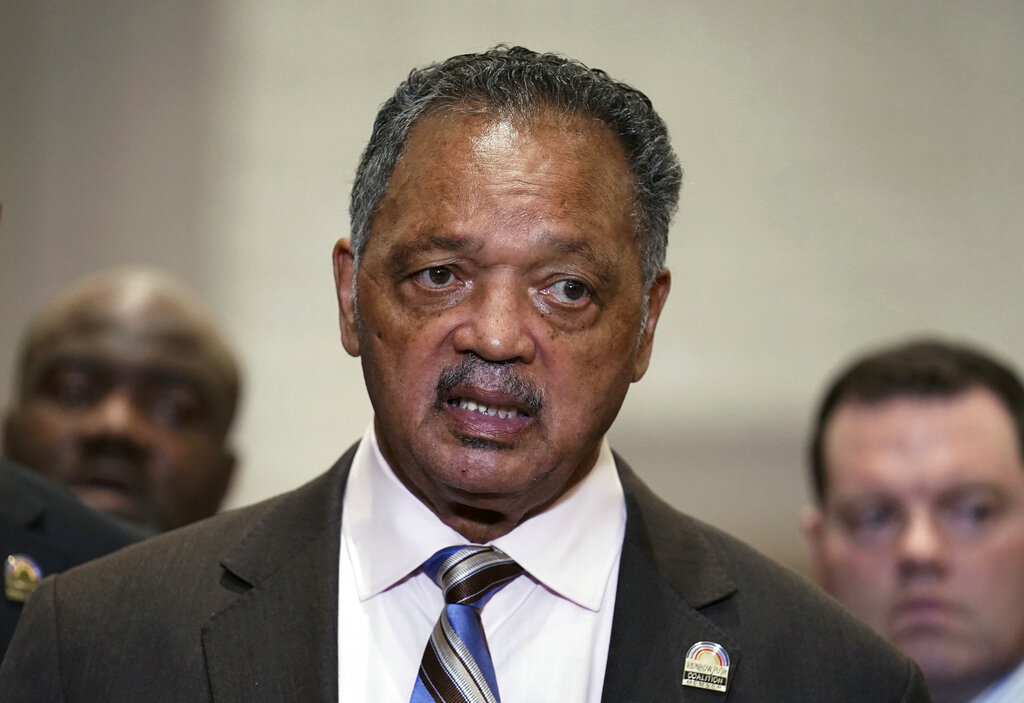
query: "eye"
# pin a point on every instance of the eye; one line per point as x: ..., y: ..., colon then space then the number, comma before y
x: 174, y: 406
x: 570, y: 291
x: 74, y: 387
x: 968, y: 514
x: 435, y: 277
x: 873, y: 523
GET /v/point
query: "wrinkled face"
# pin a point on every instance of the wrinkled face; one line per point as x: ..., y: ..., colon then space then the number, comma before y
x: 128, y: 410
x: 922, y: 531
x: 500, y: 311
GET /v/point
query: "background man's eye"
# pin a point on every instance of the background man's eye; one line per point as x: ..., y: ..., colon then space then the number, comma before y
x: 873, y: 524
x: 74, y: 389
x: 174, y: 407
x: 969, y: 516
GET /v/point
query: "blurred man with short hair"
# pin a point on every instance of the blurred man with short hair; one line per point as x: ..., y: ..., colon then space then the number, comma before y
x: 919, y: 526
x: 125, y: 392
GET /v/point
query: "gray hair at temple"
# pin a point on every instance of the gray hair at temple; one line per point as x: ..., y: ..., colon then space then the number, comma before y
x: 517, y: 82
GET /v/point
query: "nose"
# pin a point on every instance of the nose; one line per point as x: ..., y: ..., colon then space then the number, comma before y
x: 923, y: 548
x: 496, y: 326
x: 117, y: 414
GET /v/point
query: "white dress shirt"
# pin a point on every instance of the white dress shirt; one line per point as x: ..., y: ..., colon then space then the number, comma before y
x: 1010, y: 689
x: 548, y: 630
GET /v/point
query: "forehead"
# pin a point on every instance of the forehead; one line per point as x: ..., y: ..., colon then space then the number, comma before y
x: 483, y: 170
x: 910, y: 444
x: 138, y: 335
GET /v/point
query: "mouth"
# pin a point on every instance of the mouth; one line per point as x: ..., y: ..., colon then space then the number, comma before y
x: 490, y: 405
x: 486, y: 420
x: 924, y: 614
x: 112, y: 487
x: 502, y: 412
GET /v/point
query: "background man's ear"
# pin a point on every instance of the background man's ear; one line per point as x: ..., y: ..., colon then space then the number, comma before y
x: 812, y: 526
x: 344, y: 282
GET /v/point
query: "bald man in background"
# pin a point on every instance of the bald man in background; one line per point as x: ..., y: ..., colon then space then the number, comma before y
x: 918, y: 469
x: 125, y: 392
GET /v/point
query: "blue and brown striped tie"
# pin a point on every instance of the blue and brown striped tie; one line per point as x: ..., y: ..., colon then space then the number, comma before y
x: 456, y: 666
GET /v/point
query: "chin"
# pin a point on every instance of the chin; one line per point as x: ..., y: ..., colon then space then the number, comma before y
x: 941, y: 660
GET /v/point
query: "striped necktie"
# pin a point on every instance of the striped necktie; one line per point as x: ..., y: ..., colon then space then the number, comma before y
x: 456, y: 666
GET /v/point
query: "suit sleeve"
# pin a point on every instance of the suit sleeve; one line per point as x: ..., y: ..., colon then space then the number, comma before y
x: 31, y: 668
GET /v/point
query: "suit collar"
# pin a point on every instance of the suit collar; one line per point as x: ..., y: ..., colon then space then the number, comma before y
x: 669, y: 582
x: 682, y: 557
x: 278, y: 639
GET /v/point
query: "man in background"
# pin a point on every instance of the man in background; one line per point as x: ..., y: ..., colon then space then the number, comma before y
x: 125, y: 392
x: 917, y: 469
x: 44, y: 530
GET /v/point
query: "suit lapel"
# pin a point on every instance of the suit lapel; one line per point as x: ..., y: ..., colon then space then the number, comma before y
x: 22, y: 512
x: 665, y: 578
x: 278, y: 640
x: 23, y: 506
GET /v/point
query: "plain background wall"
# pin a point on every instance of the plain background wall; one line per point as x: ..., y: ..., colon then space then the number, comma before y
x: 853, y: 175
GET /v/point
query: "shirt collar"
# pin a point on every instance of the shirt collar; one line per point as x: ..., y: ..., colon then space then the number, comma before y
x: 1009, y: 688
x: 570, y: 548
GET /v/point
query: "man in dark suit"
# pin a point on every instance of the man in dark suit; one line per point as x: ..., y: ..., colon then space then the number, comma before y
x: 502, y: 287
x: 45, y: 530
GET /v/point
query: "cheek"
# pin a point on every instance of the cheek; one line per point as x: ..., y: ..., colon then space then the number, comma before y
x: 185, y: 463
x: 44, y: 430
x: 184, y: 454
x: 996, y: 572
x: 857, y: 575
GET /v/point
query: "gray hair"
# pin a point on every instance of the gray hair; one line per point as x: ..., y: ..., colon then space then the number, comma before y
x: 521, y: 82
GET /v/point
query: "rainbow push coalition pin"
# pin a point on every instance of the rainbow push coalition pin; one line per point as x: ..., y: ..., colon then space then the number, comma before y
x: 21, y: 576
x: 707, y: 667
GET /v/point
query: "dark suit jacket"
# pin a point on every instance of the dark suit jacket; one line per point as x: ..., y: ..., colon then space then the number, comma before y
x: 243, y: 608
x: 48, y: 524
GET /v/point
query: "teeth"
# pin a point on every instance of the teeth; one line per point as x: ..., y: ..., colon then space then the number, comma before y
x: 492, y: 410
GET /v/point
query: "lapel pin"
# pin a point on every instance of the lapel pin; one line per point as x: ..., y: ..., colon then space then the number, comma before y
x: 21, y: 576
x: 707, y: 667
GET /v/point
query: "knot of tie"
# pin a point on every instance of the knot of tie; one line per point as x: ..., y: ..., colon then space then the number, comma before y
x: 471, y: 575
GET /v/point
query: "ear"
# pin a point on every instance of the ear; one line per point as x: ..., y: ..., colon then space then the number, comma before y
x: 344, y: 283
x: 812, y: 526
x: 225, y: 474
x: 655, y: 303
x: 7, y: 432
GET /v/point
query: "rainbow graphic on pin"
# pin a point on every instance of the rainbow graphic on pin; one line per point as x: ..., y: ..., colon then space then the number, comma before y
x: 707, y: 667
x: 708, y: 653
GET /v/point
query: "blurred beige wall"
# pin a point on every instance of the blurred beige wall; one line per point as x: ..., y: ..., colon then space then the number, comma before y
x: 853, y: 175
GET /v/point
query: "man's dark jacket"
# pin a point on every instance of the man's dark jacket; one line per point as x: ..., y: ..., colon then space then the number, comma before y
x: 44, y: 522
x: 243, y: 608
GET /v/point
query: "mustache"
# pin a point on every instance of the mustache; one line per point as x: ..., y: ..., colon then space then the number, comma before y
x: 502, y: 378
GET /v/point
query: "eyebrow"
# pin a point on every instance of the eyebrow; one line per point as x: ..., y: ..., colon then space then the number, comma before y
x: 579, y: 247
x: 403, y: 253
x: 400, y: 256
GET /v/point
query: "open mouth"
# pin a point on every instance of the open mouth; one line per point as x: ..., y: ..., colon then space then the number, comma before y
x: 502, y: 412
x: 111, y: 484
